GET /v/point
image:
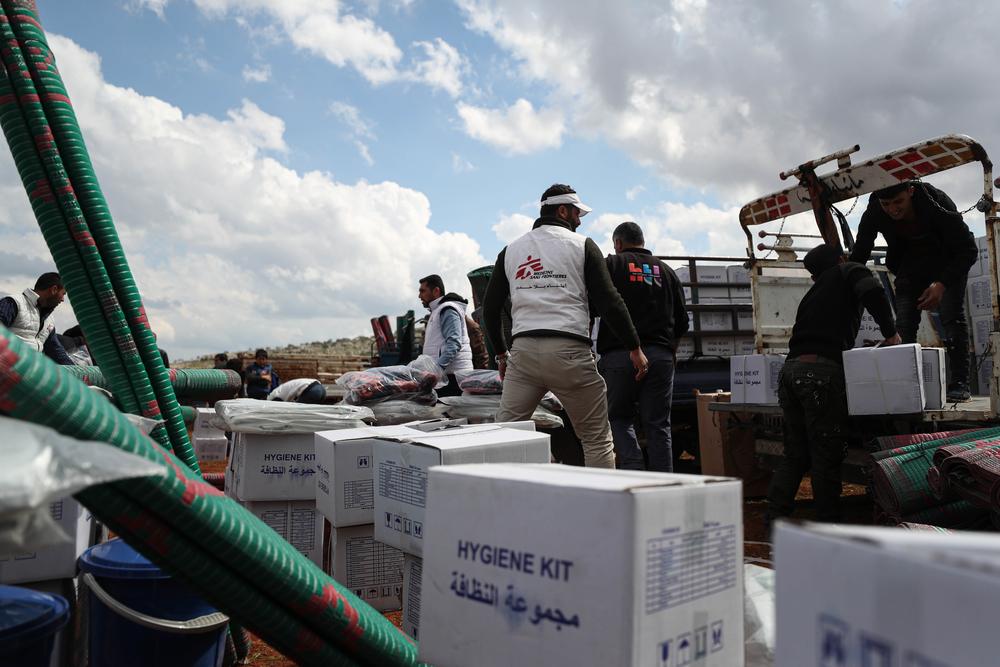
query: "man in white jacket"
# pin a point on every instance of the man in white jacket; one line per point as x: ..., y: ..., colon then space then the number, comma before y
x: 446, y: 337
x: 28, y: 315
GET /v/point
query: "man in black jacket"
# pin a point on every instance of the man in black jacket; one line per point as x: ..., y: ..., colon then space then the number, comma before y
x: 655, y: 301
x: 930, y: 250
x: 812, y: 392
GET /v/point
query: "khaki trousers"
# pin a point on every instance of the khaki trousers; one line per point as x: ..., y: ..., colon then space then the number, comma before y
x: 565, y: 367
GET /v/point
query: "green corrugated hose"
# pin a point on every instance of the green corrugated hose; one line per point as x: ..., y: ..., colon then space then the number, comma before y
x: 194, y: 383
x: 188, y: 527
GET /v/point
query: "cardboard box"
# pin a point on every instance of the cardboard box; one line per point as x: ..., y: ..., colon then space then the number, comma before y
x: 345, y: 486
x: 203, y: 424
x: 401, y: 467
x: 869, y: 332
x: 717, y: 346
x: 982, y: 265
x: 57, y: 561
x: 297, y: 521
x: 884, y: 380
x: 984, y: 376
x: 371, y: 570
x: 744, y: 345
x: 754, y: 378
x: 739, y: 274
x: 412, y: 572
x: 685, y: 349
x: 744, y: 321
x: 886, y: 597
x: 979, y: 300
x: 980, y: 328
x: 716, y: 321
x: 582, y: 567
x: 210, y: 448
x: 935, y: 379
x: 707, y: 275
x: 273, y: 467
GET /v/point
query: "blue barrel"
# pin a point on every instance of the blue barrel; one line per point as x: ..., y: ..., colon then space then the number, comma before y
x: 140, y: 616
x: 29, y: 622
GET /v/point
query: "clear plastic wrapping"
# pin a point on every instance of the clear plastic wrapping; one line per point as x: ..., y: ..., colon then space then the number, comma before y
x: 248, y: 415
x: 420, y: 376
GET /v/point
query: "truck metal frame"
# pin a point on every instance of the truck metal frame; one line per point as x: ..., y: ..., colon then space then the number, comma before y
x: 778, y: 284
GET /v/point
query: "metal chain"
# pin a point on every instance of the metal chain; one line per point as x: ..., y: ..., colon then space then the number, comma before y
x: 851, y: 210
x: 943, y: 209
x: 780, y: 229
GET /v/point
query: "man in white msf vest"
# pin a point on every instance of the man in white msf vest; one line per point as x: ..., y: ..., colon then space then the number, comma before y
x: 552, y: 276
x: 28, y: 315
x: 446, y: 337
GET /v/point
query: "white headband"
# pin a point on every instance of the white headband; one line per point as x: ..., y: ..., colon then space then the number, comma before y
x: 570, y: 198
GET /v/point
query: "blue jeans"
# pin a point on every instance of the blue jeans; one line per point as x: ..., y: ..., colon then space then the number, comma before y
x: 650, y: 399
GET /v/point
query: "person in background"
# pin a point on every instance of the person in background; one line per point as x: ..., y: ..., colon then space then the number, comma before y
x: 75, y: 344
x: 477, y: 344
x: 811, y: 390
x: 446, y: 336
x: 930, y: 251
x: 28, y: 315
x: 220, y: 360
x: 552, y: 274
x: 261, y: 379
x: 655, y: 301
x: 300, y: 390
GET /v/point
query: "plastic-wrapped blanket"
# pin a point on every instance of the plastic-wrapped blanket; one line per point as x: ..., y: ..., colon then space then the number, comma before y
x: 247, y: 415
x: 758, y: 615
x: 39, y: 465
x: 479, y: 381
x: 417, y: 378
x: 483, y: 409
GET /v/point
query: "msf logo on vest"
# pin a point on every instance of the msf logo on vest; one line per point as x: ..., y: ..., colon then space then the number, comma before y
x: 528, y: 267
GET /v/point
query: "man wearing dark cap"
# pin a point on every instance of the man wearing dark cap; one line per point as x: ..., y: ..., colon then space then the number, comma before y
x: 811, y: 392
x: 930, y: 250
x: 552, y: 276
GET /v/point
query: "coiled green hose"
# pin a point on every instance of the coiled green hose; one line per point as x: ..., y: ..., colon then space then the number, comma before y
x: 192, y: 383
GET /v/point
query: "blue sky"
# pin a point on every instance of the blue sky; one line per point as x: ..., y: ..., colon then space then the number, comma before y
x: 282, y: 171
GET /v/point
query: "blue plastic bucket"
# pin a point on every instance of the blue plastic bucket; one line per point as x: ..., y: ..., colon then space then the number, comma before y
x: 29, y: 622
x: 140, y: 616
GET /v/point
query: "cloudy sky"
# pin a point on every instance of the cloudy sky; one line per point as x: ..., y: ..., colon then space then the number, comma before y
x: 283, y: 171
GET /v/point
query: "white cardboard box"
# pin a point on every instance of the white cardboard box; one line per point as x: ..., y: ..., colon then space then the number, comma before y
x: 57, y: 561
x: 744, y: 345
x: 737, y: 385
x: 744, y: 321
x: 706, y: 276
x: 981, y: 267
x: 884, y: 380
x: 716, y: 321
x: 685, y: 348
x: 412, y: 573
x: 718, y: 346
x: 345, y: 486
x: 869, y: 332
x: 371, y: 570
x: 739, y: 274
x: 863, y: 596
x: 345, y: 477
x: 297, y: 521
x: 981, y: 327
x: 984, y: 375
x: 754, y: 378
x: 272, y: 467
x: 203, y: 424
x: 213, y: 448
x: 401, y: 467
x: 979, y: 298
x: 582, y: 567
x: 935, y: 378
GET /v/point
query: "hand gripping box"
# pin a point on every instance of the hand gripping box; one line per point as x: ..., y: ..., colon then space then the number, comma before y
x: 863, y: 596
x: 401, y: 468
x: 555, y: 565
x: 371, y: 570
x: 884, y: 380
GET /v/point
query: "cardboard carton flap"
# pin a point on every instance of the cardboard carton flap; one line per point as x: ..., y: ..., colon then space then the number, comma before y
x: 575, y: 477
x: 453, y: 439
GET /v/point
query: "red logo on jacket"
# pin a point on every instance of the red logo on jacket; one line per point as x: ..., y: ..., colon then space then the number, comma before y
x: 529, y: 266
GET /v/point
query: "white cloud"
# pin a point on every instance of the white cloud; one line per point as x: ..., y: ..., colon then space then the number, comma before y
x: 517, y: 129
x: 460, y: 165
x: 722, y: 96
x: 260, y: 74
x: 512, y: 226
x: 632, y: 193
x: 359, y: 128
x: 155, y: 6
x: 674, y: 228
x: 230, y: 248
x: 442, y: 66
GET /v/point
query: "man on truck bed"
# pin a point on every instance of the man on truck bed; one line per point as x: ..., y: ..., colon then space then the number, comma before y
x: 552, y: 274
x: 655, y: 301
x: 930, y: 252
x: 811, y: 391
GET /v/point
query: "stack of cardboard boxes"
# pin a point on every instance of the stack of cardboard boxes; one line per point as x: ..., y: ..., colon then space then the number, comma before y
x: 979, y: 307
x: 372, y: 486
x: 209, y: 442
x: 713, y: 291
x: 274, y: 477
